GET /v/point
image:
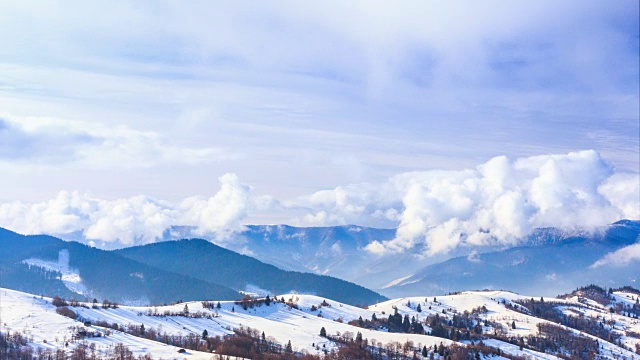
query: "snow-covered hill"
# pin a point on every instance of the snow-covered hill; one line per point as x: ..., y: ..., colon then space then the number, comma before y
x: 300, y: 318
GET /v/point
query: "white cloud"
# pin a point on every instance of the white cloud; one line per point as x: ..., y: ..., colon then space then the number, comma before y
x: 620, y: 257
x: 473, y: 257
x: 130, y: 221
x: 221, y: 214
x: 501, y: 201
x: 426, y: 85
x: 65, y: 213
x: 495, y: 203
x: 372, y: 204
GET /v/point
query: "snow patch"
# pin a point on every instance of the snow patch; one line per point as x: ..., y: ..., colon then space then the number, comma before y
x: 396, y: 281
x: 70, y: 276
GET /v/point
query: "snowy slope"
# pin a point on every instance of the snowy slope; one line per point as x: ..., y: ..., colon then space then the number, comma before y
x: 37, y: 318
x: 70, y: 276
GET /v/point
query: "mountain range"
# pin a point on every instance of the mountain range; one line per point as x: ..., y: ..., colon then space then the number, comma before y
x: 184, y: 270
x: 324, y: 261
x: 551, y: 260
x: 547, y: 267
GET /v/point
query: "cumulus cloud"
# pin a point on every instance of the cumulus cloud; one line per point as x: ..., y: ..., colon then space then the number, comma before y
x: 130, y: 221
x: 55, y: 142
x: 374, y: 205
x: 620, y: 257
x: 496, y: 203
x: 221, y: 214
x: 501, y: 201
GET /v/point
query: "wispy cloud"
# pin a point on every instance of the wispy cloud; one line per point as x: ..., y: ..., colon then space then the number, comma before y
x: 335, y: 112
x: 53, y: 142
x: 620, y: 257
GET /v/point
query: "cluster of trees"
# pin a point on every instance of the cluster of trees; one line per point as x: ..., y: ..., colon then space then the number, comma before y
x: 548, y: 310
x: 58, y: 301
x: 551, y: 339
x: 14, y: 346
x: 605, y: 298
x: 465, y: 326
x: 185, y: 312
x: 248, y: 302
x: 394, y: 323
x: 32, y: 279
x: 632, y: 311
x: 323, y: 303
x: 65, y: 311
x: 558, y: 340
x: 355, y: 347
x: 592, y: 292
x: 211, y: 305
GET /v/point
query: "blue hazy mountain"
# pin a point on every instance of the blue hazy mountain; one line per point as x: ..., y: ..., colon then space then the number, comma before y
x: 166, y: 272
x: 551, y: 260
x: 547, y: 265
x: 50, y: 266
x: 208, y: 262
x: 336, y: 251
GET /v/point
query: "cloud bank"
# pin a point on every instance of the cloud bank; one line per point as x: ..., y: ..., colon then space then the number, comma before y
x: 501, y: 201
x: 130, y: 221
x: 496, y: 203
x: 620, y: 257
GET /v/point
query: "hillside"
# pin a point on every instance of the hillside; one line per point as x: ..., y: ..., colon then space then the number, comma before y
x: 467, y: 322
x: 154, y: 274
x: 50, y: 266
x: 208, y: 262
x: 547, y: 267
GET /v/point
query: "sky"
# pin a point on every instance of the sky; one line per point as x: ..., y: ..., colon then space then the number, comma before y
x: 121, y: 119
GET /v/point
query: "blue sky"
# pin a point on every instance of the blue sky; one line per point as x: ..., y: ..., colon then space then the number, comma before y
x: 161, y: 99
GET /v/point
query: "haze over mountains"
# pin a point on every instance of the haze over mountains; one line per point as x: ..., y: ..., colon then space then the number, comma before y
x: 549, y: 260
x: 185, y: 270
x: 282, y: 259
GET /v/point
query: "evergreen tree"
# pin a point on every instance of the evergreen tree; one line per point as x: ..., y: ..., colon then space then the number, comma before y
x: 323, y: 332
x: 419, y: 308
x: 267, y: 300
x: 359, y: 337
x: 424, y: 351
x: 218, y: 306
x: 513, y: 324
x: 205, y: 334
x: 142, y: 329
x: 406, y: 323
x: 186, y: 310
x: 288, y: 349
